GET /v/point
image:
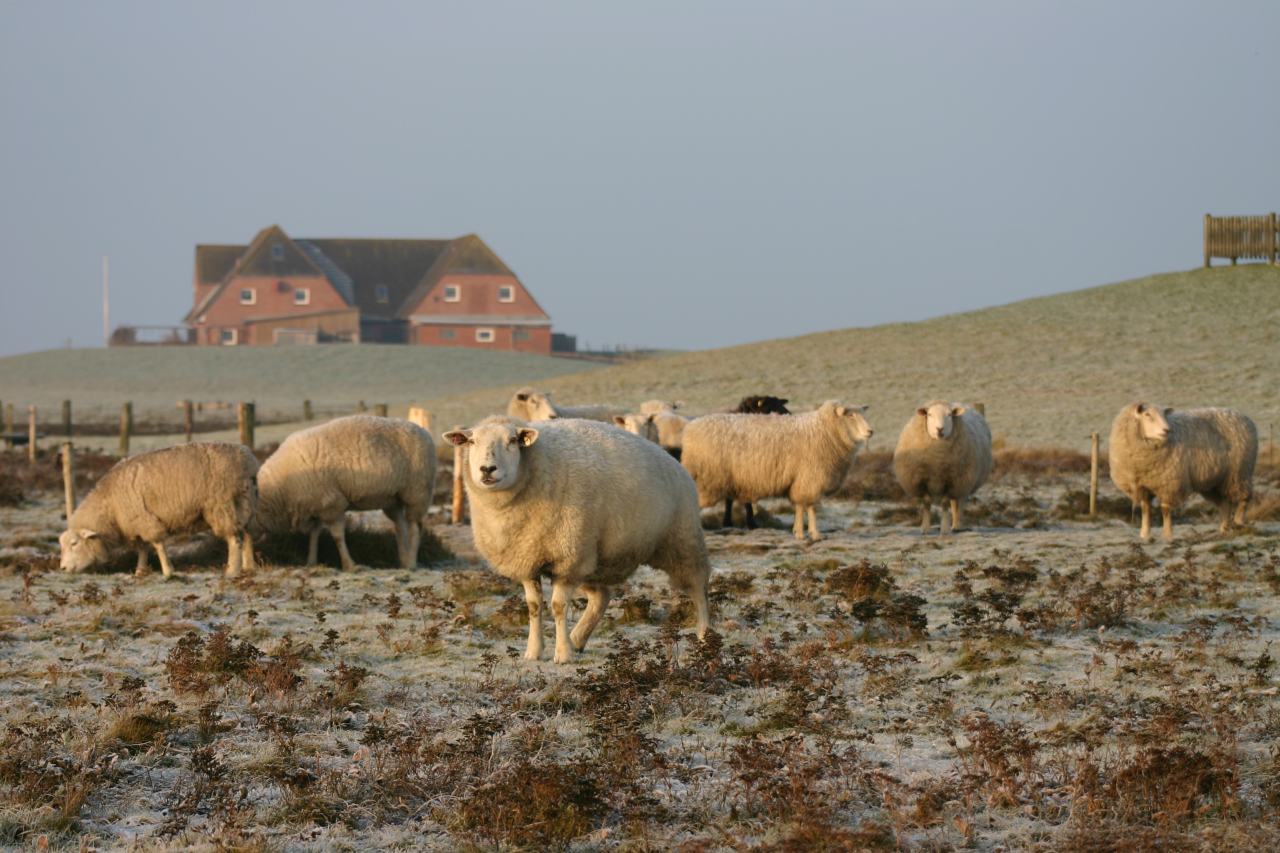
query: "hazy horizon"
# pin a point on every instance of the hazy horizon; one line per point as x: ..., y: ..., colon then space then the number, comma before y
x: 679, y: 176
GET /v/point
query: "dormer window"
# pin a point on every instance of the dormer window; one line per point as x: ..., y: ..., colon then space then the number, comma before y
x: 452, y: 292
x: 277, y: 252
x: 381, y: 294
x: 506, y: 293
x: 302, y: 296
x: 248, y: 296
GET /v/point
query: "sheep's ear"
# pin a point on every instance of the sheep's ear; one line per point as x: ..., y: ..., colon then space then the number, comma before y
x: 526, y: 436
x: 922, y: 411
x: 957, y: 411
x: 842, y: 410
x: 678, y: 404
x: 1168, y: 411
x: 86, y: 533
x: 458, y: 436
x: 782, y: 401
x: 1140, y: 407
x: 864, y: 409
x: 620, y: 420
x: 649, y: 419
x: 522, y: 397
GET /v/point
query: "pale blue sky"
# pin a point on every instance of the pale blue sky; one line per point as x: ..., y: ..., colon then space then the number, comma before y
x: 677, y: 174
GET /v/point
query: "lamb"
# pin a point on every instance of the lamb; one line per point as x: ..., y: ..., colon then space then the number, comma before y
x: 802, y: 457
x: 1169, y: 454
x: 641, y: 425
x: 529, y: 404
x: 757, y: 404
x: 944, y: 451
x: 359, y: 462
x: 153, y: 496
x: 584, y: 504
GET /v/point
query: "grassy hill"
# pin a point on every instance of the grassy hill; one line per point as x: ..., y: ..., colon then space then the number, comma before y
x: 1050, y: 370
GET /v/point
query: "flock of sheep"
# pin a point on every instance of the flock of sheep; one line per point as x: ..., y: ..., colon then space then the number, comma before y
x: 585, y: 495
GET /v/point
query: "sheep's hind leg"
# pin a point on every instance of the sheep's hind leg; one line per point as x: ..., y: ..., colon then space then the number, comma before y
x: 750, y: 511
x: 798, y: 526
x: 165, y: 566
x: 233, y: 555
x: 1241, y: 507
x: 926, y: 515
x: 247, y: 553
x: 955, y: 514
x: 728, y: 513
x: 1167, y: 512
x: 338, y: 530
x: 313, y: 545
x: 1144, y: 533
x: 813, y: 523
x: 533, y: 600
x: 142, y: 568
x: 597, y: 601
x: 414, y: 531
x: 944, y: 521
x: 560, y: 591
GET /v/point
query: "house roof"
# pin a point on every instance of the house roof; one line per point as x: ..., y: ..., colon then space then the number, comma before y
x: 409, y: 269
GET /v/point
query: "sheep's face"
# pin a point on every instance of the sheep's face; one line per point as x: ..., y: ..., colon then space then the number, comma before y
x: 540, y: 407
x: 641, y: 425
x: 493, y: 453
x: 1153, y: 422
x: 81, y: 549
x: 940, y: 419
x: 852, y: 419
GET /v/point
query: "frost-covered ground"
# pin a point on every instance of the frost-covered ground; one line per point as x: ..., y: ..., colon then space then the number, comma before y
x: 1046, y: 686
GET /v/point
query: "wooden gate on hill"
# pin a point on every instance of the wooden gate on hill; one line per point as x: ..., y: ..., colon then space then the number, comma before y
x: 1250, y: 238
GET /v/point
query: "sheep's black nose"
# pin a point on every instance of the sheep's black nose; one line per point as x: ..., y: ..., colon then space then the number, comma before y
x: 486, y: 470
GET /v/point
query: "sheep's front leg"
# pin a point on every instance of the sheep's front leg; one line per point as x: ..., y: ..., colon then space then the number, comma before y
x: 597, y: 601
x: 1167, y: 512
x: 1144, y: 533
x: 165, y: 566
x: 247, y: 553
x: 797, y: 527
x: 414, y: 531
x: 750, y: 511
x: 697, y: 591
x: 1224, y: 512
x: 926, y: 515
x: 560, y: 593
x: 338, y: 530
x: 1240, y: 511
x: 813, y: 523
x: 944, y: 520
x: 955, y: 514
x: 233, y: 555
x: 313, y: 545
x: 728, y: 513
x: 142, y: 568
x: 533, y: 600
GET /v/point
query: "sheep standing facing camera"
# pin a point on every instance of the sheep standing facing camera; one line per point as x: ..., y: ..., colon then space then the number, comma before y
x: 1167, y: 454
x: 944, y: 452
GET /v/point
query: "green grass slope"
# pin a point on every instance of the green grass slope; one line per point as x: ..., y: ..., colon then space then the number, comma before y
x: 334, y: 377
x: 1050, y: 370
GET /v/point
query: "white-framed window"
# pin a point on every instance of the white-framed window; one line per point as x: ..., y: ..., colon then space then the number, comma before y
x: 302, y: 296
x: 452, y: 292
x: 506, y: 293
x: 277, y: 252
x: 229, y: 337
x: 484, y: 336
x: 248, y: 296
x: 381, y: 294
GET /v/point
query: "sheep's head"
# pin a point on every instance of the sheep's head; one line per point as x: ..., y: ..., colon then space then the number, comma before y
x: 493, y: 451
x: 540, y: 407
x: 81, y: 549
x: 641, y: 425
x: 1153, y: 421
x: 940, y: 419
x: 763, y: 405
x: 652, y: 407
x: 852, y: 419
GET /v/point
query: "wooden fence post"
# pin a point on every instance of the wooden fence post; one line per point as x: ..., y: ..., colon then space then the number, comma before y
x: 188, y: 419
x: 380, y: 410
x: 1093, y: 475
x: 66, y: 418
x: 421, y: 417
x: 307, y: 414
x: 32, y: 437
x: 245, y: 418
x: 8, y: 421
x: 68, y: 478
x: 456, y: 516
x: 361, y: 407
x: 1208, y: 230
x: 126, y: 427
x: 1274, y: 235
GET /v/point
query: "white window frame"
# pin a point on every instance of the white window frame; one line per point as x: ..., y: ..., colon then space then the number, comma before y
x: 253, y: 296
x: 511, y: 293
x: 305, y: 293
x: 226, y: 341
x: 457, y: 293
x: 485, y: 331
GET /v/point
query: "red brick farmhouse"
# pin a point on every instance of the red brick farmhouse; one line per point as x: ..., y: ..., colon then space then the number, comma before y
x: 281, y: 290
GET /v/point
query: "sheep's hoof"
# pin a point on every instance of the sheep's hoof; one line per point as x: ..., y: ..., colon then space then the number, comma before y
x: 817, y: 537
x: 564, y: 657
x: 530, y: 655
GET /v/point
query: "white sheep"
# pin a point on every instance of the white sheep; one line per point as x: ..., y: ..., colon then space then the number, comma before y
x: 585, y: 505
x: 153, y: 496
x: 359, y: 462
x: 1169, y: 454
x: 652, y: 407
x: 943, y: 452
x: 748, y: 457
x: 641, y: 425
x: 529, y: 404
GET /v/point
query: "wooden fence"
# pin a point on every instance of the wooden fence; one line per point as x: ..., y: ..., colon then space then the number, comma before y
x: 1250, y: 238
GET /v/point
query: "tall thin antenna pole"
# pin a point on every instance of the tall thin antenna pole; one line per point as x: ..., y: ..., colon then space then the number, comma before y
x: 106, y: 301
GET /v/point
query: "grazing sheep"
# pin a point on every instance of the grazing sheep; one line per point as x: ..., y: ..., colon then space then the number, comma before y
x: 652, y: 407
x: 670, y: 428
x: 802, y: 457
x: 585, y: 505
x: 758, y: 404
x: 359, y: 462
x: 944, y: 451
x: 641, y: 425
x: 149, y: 498
x: 529, y: 404
x: 1169, y: 454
